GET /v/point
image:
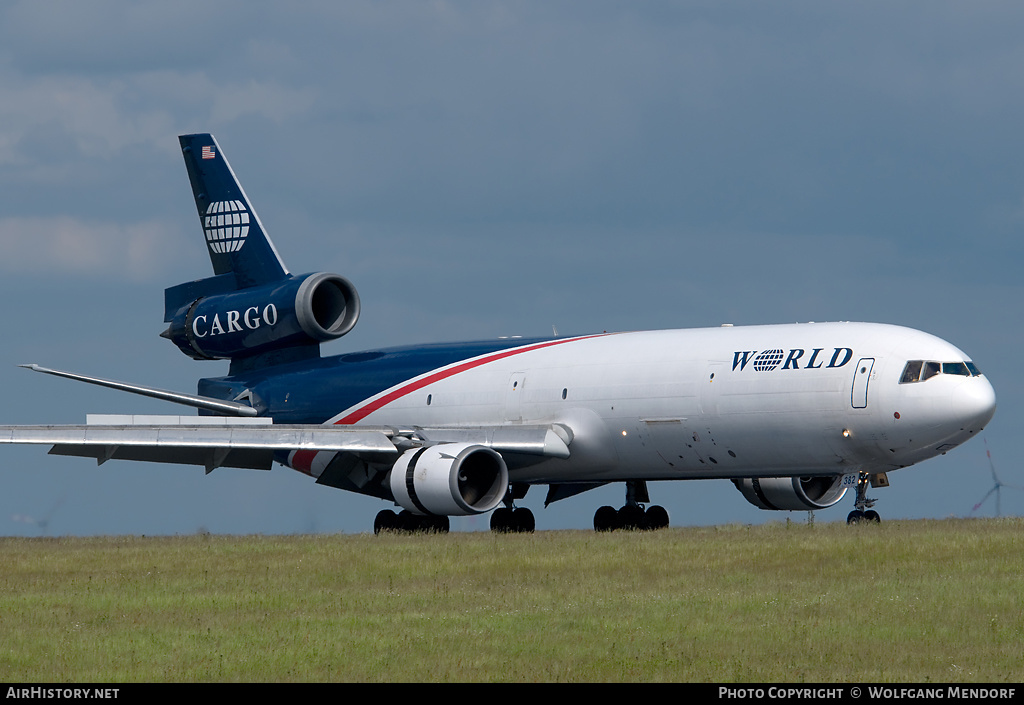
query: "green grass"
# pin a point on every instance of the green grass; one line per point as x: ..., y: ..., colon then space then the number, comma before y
x: 905, y: 601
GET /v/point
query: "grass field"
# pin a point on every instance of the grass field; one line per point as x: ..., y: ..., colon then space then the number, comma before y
x: 920, y: 601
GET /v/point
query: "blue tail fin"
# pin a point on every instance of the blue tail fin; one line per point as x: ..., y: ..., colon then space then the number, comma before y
x: 235, y: 237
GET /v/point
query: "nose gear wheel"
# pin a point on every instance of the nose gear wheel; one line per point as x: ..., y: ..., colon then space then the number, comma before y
x: 862, y: 506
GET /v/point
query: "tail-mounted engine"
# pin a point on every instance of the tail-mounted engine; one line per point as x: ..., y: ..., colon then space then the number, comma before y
x: 451, y: 479
x: 208, y: 323
x: 792, y: 493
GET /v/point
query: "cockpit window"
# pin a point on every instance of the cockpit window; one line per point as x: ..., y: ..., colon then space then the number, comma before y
x: 912, y: 372
x: 920, y: 370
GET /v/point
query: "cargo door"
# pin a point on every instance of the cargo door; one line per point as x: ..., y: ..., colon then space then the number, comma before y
x: 861, y: 378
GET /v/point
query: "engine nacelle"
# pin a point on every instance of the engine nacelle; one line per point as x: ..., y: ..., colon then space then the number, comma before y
x: 451, y: 479
x: 792, y: 493
x: 302, y: 310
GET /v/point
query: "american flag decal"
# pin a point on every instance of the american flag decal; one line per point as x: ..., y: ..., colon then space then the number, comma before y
x: 208, y: 152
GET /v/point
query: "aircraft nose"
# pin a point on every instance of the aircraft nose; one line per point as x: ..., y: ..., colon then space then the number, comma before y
x: 975, y: 403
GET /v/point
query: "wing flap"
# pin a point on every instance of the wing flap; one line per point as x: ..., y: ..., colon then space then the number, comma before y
x: 210, y: 458
x: 191, y: 442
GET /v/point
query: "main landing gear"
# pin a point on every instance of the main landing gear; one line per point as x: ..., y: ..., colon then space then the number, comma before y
x: 408, y: 522
x: 862, y: 506
x: 511, y: 519
x: 632, y: 516
x: 508, y: 520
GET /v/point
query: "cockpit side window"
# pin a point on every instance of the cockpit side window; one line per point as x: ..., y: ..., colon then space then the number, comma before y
x: 920, y: 370
x: 912, y: 372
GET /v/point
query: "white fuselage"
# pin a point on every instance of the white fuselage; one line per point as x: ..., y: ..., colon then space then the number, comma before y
x: 729, y: 402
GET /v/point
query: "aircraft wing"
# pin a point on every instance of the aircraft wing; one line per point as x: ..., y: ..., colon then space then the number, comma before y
x: 212, y: 441
x: 209, y: 441
x: 549, y: 441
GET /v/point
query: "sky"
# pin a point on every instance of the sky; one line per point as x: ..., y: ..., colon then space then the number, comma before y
x: 480, y: 169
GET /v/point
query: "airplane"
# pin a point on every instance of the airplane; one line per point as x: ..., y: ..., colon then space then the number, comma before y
x: 794, y: 415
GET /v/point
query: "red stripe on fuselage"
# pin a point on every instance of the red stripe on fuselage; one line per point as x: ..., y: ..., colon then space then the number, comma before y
x: 302, y: 460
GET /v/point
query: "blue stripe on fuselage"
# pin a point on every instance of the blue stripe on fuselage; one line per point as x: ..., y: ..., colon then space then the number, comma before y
x: 313, y: 391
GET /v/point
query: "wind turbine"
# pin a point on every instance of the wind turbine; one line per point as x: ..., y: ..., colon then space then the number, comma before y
x: 41, y: 523
x: 997, y: 486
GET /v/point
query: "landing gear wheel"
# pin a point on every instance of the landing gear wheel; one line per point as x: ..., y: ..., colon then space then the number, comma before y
x: 605, y: 519
x: 439, y: 525
x: 506, y: 521
x: 630, y: 517
x: 655, y: 518
x: 386, y: 520
x: 509, y: 518
x: 523, y: 521
x: 863, y: 504
x: 408, y: 522
x: 501, y: 520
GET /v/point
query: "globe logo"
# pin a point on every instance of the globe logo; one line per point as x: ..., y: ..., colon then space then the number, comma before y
x: 226, y: 225
x: 768, y: 360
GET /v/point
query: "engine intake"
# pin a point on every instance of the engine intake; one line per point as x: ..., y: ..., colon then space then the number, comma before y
x: 791, y: 493
x: 451, y: 479
x: 327, y: 306
x: 302, y: 310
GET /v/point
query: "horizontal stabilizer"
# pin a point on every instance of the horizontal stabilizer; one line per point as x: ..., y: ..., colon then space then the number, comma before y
x: 219, y: 406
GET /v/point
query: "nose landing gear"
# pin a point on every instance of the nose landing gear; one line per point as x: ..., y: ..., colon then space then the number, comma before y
x: 862, y: 506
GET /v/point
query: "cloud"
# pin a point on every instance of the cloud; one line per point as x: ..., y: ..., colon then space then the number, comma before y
x: 101, y: 117
x: 61, y: 244
x: 88, y: 115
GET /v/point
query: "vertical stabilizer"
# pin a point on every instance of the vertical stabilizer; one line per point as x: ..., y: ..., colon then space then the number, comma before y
x: 235, y: 237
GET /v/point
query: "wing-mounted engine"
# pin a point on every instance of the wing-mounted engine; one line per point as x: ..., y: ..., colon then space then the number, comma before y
x: 451, y: 479
x: 791, y: 493
x: 210, y: 320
